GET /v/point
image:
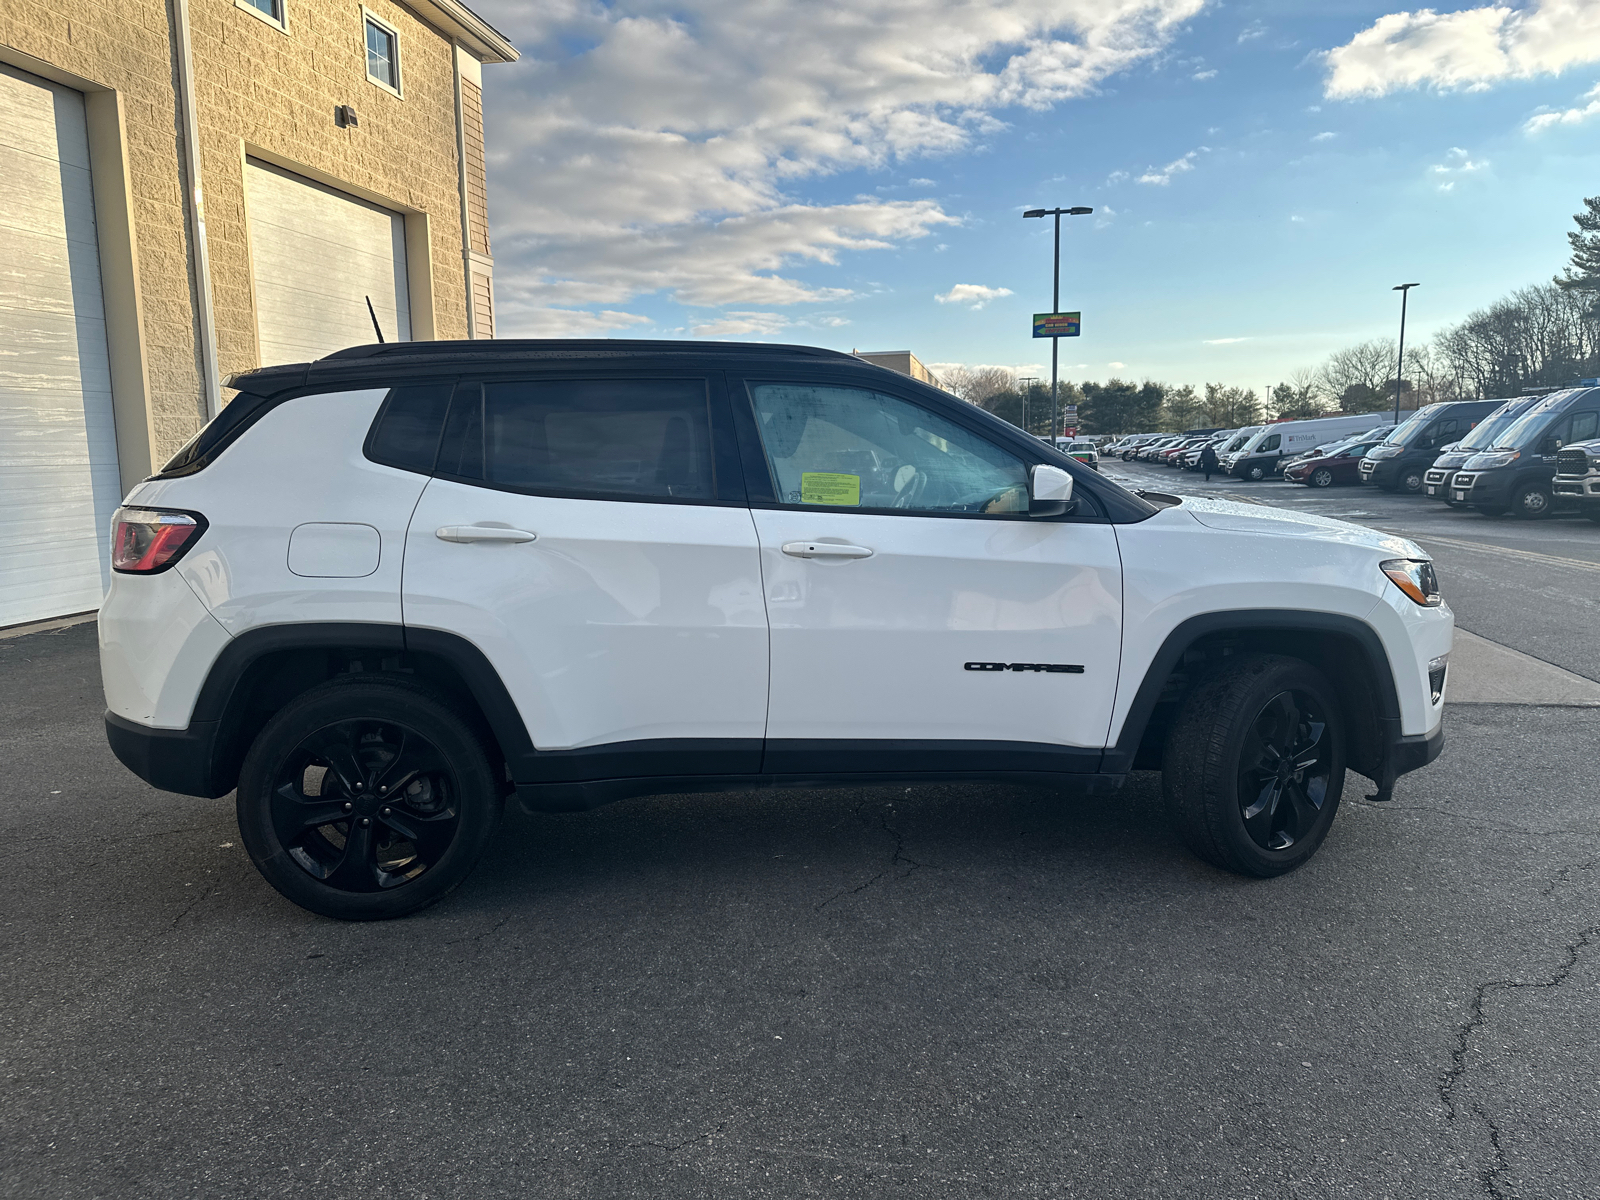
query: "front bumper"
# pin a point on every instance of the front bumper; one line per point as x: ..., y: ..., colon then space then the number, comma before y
x: 1584, y: 487
x: 1482, y: 489
x: 1436, y: 483
x: 1381, y: 471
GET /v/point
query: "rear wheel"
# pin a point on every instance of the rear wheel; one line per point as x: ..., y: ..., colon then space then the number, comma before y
x: 367, y: 800
x: 1321, y: 477
x: 1254, y: 765
x: 1531, y: 501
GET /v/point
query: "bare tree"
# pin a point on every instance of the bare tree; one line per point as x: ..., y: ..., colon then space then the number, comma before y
x: 977, y: 385
x: 1355, y: 376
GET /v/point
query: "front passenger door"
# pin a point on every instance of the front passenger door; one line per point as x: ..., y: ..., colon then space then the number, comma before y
x: 919, y: 617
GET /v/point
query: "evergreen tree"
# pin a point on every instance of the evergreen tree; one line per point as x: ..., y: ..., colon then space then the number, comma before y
x: 1583, y: 273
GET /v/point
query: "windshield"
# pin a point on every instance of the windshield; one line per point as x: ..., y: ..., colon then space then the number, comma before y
x: 1525, y: 429
x: 1482, y: 437
x: 1409, y: 430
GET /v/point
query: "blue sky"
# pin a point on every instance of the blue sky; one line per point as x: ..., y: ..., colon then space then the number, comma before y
x: 791, y: 172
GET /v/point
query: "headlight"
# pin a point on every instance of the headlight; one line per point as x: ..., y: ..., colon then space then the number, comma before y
x: 1484, y: 462
x: 1415, y: 577
x: 1384, y: 452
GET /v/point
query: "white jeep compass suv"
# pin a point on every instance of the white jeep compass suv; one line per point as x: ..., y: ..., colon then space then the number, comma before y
x: 386, y: 590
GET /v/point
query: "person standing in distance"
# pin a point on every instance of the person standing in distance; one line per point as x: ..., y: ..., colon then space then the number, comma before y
x: 1208, y: 460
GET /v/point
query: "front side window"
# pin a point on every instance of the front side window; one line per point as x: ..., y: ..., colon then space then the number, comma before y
x: 1270, y: 443
x: 1584, y: 426
x: 383, y: 53
x: 622, y: 439
x: 845, y: 447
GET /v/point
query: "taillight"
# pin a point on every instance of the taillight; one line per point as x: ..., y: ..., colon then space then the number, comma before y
x: 145, y: 541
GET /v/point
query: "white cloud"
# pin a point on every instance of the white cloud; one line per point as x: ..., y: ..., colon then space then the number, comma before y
x: 1473, y: 48
x: 1224, y: 341
x: 1116, y: 366
x: 1327, y: 135
x: 663, y: 154
x: 739, y: 324
x: 921, y: 182
x: 974, y: 295
x: 532, y: 320
x: 1176, y: 167
x: 1252, y: 31
x: 1569, y: 116
x: 1202, y: 76
x: 1116, y: 177
x: 1457, y: 165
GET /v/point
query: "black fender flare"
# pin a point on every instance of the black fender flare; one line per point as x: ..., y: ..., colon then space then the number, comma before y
x: 215, y: 707
x: 1120, y: 756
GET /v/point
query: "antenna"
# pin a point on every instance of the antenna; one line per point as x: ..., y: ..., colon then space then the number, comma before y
x: 375, y: 327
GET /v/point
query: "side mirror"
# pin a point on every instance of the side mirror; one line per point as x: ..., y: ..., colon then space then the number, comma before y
x: 1049, y: 491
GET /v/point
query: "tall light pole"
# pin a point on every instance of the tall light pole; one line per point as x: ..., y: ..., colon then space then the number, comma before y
x: 1400, y: 367
x: 1055, y: 307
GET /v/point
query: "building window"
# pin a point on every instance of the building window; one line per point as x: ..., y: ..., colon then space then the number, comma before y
x: 383, y: 54
x: 270, y: 11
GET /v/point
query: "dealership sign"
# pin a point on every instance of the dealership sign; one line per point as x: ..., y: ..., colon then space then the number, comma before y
x: 1054, y: 325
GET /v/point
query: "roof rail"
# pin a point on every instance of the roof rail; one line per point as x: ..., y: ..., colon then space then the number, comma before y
x: 609, y: 347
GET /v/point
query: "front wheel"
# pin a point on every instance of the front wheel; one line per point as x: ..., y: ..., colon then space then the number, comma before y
x: 1256, y: 473
x: 367, y: 800
x: 1410, y: 482
x: 1321, y: 477
x: 1531, y: 502
x: 1254, y: 765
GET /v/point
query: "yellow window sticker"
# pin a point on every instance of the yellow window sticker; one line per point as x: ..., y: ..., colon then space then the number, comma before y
x: 825, y: 487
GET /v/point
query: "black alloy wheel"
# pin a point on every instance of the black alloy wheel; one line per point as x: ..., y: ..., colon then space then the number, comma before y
x: 1531, y: 502
x: 1254, y: 764
x: 1284, y: 771
x: 366, y: 799
x: 1321, y: 477
x: 365, y: 805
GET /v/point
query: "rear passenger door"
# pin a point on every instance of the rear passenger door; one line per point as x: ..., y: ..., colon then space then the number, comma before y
x: 590, y: 535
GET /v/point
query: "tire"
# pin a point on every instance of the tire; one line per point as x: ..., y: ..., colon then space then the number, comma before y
x: 1409, y: 483
x: 386, y: 858
x: 1321, y: 478
x: 1530, y: 502
x: 1256, y: 473
x: 1214, y: 768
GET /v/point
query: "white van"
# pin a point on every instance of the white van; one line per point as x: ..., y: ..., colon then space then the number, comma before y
x: 1273, y: 445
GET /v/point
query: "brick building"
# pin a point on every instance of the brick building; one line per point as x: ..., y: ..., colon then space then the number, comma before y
x: 190, y: 188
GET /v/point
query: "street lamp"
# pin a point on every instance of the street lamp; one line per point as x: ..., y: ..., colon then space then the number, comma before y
x: 1055, y: 306
x: 1400, y: 367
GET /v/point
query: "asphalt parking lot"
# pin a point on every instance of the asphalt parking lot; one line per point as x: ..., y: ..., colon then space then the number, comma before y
x: 950, y: 990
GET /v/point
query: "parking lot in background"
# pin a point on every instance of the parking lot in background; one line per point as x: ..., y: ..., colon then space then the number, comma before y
x: 930, y: 991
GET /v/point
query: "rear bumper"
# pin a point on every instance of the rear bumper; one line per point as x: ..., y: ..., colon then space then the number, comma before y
x: 174, y: 760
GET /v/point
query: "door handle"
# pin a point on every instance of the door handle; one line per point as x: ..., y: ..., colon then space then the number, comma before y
x: 483, y: 533
x: 824, y: 550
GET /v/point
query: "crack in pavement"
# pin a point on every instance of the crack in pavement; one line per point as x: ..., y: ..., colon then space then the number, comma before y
x: 897, y: 857
x: 1490, y: 1176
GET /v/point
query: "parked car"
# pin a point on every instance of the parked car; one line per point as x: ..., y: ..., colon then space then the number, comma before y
x: 1132, y: 448
x: 571, y: 572
x: 1577, y: 478
x: 1339, y: 463
x: 1148, y: 451
x: 1436, y: 479
x: 1266, y: 452
x: 1166, y: 457
x: 1400, y: 463
x: 1085, y: 452
x: 1518, y: 471
x: 1189, y: 460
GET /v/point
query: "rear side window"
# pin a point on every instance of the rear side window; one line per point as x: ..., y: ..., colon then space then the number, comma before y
x: 625, y: 439
x: 406, y: 434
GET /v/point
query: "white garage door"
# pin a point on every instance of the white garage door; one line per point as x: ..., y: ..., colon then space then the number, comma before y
x: 59, y: 482
x: 318, y: 256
